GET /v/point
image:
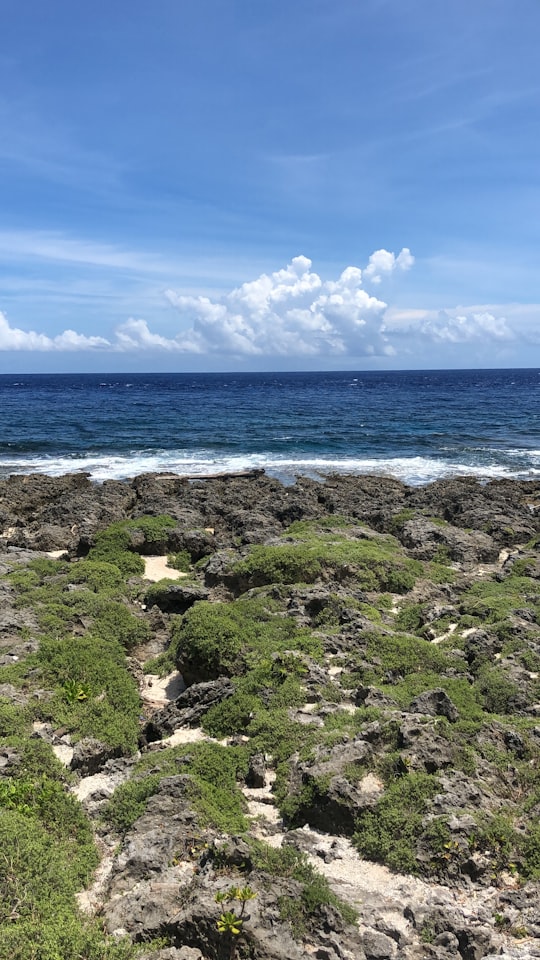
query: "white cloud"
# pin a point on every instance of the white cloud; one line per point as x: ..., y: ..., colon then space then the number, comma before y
x: 11, y: 338
x: 383, y: 263
x: 449, y: 326
x: 293, y: 312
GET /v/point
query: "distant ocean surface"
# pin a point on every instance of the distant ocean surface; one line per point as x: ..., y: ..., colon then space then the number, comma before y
x: 417, y: 425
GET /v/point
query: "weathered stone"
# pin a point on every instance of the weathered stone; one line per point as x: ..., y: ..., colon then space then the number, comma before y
x: 90, y: 755
x: 256, y: 775
x: 435, y: 703
x: 377, y: 946
x: 187, y: 710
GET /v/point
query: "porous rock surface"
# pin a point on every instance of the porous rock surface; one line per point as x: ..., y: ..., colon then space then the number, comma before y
x: 164, y: 871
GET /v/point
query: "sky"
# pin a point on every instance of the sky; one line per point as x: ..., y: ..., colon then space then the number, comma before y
x: 235, y: 185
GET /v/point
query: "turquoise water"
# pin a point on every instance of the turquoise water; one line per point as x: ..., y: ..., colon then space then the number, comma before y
x: 416, y: 425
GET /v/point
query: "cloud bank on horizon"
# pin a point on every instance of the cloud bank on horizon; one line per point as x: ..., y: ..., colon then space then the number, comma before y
x: 291, y: 312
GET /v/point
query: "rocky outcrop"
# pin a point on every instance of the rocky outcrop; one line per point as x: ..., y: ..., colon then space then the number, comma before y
x: 187, y: 710
x: 391, y: 720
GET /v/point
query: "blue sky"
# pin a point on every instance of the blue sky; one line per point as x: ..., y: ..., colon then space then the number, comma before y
x: 227, y: 184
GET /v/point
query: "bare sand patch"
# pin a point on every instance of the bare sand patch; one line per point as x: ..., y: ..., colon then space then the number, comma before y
x: 161, y: 690
x: 157, y: 568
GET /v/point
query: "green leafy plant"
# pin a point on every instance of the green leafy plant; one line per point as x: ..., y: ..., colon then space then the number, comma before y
x: 231, y: 924
x: 75, y: 692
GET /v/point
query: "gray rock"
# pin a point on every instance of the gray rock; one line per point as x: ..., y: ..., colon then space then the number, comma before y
x: 90, y: 756
x: 377, y: 946
x: 256, y: 775
x: 173, y: 953
x: 187, y: 710
x: 435, y: 703
x: 176, y: 597
x: 425, y: 538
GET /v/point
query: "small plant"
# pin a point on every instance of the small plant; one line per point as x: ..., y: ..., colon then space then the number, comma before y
x: 230, y: 924
x: 75, y: 692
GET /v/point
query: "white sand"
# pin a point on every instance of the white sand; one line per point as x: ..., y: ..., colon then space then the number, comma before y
x: 161, y: 690
x: 157, y: 568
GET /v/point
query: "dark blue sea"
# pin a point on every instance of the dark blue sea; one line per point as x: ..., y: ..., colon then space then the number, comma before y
x: 417, y: 426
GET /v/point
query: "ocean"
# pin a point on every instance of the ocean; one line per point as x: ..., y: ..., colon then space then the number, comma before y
x: 414, y: 425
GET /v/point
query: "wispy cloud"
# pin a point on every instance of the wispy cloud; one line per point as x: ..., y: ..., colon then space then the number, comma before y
x: 60, y: 248
x: 44, y: 148
x: 24, y: 250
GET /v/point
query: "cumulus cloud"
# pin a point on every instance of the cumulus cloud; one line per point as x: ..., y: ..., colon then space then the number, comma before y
x: 446, y: 326
x: 293, y: 312
x: 382, y: 263
x: 12, y: 338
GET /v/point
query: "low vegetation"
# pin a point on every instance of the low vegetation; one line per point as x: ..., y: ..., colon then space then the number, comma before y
x: 329, y: 593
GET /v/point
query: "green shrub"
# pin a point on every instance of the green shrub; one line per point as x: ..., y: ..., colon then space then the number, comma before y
x: 180, y: 561
x: 111, y: 710
x: 35, y: 759
x: 39, y: 876
x: 97, y: 575
x: 222, y: 639
x: 403, y: 654
x: 12, y: 719
x: 389, y: 833
x: 372, y: 564
x: 213, y: 771
x: 115, y: 544
x: 463, y: 695
x: 410, y: 617
x: 531, y: 852
x: 498, y: 693
x: 493, y: 601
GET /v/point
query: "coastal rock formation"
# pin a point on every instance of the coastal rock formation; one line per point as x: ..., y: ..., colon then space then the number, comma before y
x: 337, y: 749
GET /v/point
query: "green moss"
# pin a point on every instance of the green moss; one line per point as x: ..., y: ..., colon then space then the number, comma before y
x: 439, y: 572
x: 399, y: 520
x: 309, y: 528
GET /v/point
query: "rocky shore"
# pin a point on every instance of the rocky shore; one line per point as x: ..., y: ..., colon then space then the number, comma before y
x: 317, y: 736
